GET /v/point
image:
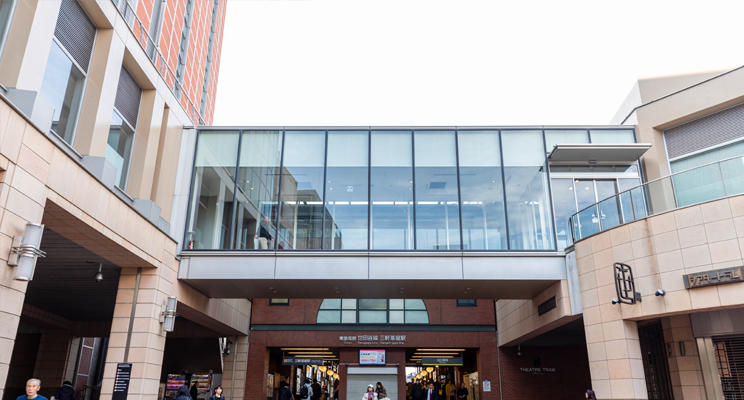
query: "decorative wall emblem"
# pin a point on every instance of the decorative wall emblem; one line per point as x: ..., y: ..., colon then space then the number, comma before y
x: 625, y: 285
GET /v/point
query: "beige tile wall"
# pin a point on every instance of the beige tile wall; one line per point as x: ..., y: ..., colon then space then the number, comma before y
x: 518, y: 320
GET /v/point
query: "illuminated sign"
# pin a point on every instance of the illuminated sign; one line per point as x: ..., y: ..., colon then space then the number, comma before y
x: 441, y: 361
x: 715, y: 277
x: 302, y: 360
x: 371, y: 357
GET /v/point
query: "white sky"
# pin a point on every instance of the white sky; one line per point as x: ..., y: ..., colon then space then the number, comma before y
x: 460, y: 62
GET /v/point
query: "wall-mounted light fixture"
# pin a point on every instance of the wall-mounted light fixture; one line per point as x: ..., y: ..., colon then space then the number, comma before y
x: 681, y: 348
x: 25, y: 250
x: 519, y: 350
x: 227, y: 347
x: 669, y: 349
x: 660, y: 292
x: 168, y: 315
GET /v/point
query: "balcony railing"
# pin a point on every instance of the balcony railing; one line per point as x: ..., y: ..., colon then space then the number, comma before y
x: 693, y: 186
x: 158, y: 60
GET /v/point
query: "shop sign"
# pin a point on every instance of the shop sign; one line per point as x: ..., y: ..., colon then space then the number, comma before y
x: 373, y: 339
x: 441, y: 361
x: 715, y: 277
x: 302, y: 360
x: 121, y: 381
x: 371, y: 357
x: 538, y: 370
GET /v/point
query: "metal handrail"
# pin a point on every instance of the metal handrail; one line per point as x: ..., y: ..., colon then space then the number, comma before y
x: 156, y: 57
x: 646, y: 192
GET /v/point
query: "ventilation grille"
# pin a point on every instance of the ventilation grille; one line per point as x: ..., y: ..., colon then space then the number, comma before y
x: 711, y: 130
x: 76, y: 32
x: 128, y: 96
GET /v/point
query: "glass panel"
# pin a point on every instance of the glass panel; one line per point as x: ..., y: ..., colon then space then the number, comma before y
x: 733, y: 175
x: 626, y: 199
x: 553, y: 138
x: 528, y: 204
x: 279, y: 302
x: 396, y: 304
x: 62, y: 88
x: 481, y: 191
x: 349, y: 304
x: 639, y: 202
x: 329, y: 317
x: 612, y: 136
x: 466, y: 303
x: 610, y: 212
x: 302, y: 187
x: 605, y: 189
x: 415, y: 304
x: 626, y: 207
x: 333, y: 304
x: 119, y: 148
x: 211, y: 201
x: 396, y: 317
x: 660, y: 196
x: 564, y: 203
x: 6, y: 6
x: 258, y: 190
x: 437, y: 211
x: 710, y: 156
x: 391, y: 190
x: 348, y: 317
x: 417, y: 317
x: 372, y: 304
x: 588, y: 222
x: 372, y: 317
x: 346, y: 191
x: 698, y: 185
x: 585, y: 195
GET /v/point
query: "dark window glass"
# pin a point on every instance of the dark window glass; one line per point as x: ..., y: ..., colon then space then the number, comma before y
x: 437, y: 204
x: 301, y: 213
x: 278, y: 302
x: 467, y: 303
x: 346, y: 191
x: 528, y: 202
x: 391, y: 191
x: 258, y: 190
x: 372, y: 304
x: 481, y: 191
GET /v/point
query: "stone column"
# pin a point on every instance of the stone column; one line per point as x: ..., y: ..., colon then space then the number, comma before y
x: 612, y: 343
x: 100, y: 92
x: 29, y: 40
x: 685, y: 370
x: 234, y: 368
x: 146, y: 143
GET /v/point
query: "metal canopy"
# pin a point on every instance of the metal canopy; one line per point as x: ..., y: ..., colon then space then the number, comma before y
x: 597, y: 154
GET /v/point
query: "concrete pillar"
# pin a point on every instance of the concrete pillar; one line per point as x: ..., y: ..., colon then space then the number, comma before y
x: 146, y: 145
x: 234, y: 368
x: 29, y: 40
x: 100, y: 92
x: 164, y: 176
x: 685, y: 370
x: 138, y: 337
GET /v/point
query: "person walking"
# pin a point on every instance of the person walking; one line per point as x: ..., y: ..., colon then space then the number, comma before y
x: 284, y: 392
x: 417, y: 390
x: 32, y: 391
x: 381, y: 392
x: 264, y: 234
x: 371, y: 394
x: 449, y: 390
x: 66, y: 392
x: 306, y: 392
x: 183, y: 393
x: 316, y: 390
x: 462, y: 392
x: 431, y: 393
x: 194, y: 391
x: 217, y: 394
x: 590, y: 395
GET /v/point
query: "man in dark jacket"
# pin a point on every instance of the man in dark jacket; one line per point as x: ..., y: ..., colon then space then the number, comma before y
x: 66, y: 392
x: 265, y: 239
x: 316, y: 390
x: 430, y: 393
x: 417, y: 391
x: 194, y: 391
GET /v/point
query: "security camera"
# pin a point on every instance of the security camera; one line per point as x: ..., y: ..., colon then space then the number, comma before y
x: 615, y: 301
x: 660, y: 293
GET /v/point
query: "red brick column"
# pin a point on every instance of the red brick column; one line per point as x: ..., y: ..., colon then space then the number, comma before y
x: 258, y: 368
x: 488, y: 367
x: 350, y: 356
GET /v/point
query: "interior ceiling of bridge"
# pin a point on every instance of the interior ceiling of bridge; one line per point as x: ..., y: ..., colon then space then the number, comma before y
x: 568, y: 335
x: 64, y: 281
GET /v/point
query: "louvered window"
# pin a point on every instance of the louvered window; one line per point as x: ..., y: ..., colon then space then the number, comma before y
x: 67, y: 67
x: 709, y: 131
x: 123, y: 126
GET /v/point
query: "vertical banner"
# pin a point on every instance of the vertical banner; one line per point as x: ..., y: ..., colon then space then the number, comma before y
x: 121, y: 381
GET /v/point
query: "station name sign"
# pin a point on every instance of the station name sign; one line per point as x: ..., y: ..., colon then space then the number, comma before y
x: 373, y: 339
x: 441, y: 361
x: 714, y: 277
x: 302, y: 360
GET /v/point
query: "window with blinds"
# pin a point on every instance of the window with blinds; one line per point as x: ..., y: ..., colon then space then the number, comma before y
x: 128, y: 96
x: 709, y: 131
x: 76, y: 32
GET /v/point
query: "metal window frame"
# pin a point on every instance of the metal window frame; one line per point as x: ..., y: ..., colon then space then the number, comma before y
x: 358, y: 310
x: 6, y: 31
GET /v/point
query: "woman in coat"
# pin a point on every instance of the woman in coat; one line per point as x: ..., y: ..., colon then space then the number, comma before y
x: 462, y: 392
x: 183, y: 393
x: 381, y: 392
x: 217, y: 394
x: 370, y: 395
